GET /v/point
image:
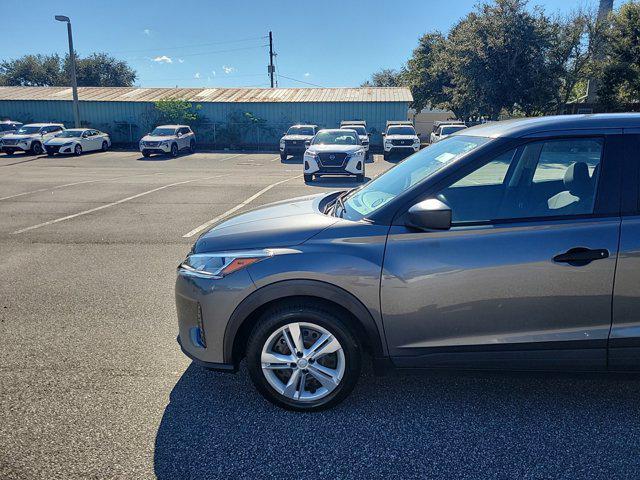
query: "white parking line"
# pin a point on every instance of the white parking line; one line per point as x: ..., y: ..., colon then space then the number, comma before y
x: 236, y: 208
x: 232, y: 156
x: 102, y: 207
x: 75, y: 183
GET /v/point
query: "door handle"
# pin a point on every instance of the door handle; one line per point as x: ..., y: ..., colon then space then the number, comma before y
x: 581, y: 256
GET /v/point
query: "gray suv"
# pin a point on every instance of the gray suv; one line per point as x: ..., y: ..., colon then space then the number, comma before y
x: 511, y: 245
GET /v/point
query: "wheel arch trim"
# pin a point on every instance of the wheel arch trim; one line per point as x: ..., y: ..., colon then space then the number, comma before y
x: 301, y: 288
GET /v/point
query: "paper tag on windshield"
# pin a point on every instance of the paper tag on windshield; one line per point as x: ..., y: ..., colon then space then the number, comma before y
x: 445, y: 157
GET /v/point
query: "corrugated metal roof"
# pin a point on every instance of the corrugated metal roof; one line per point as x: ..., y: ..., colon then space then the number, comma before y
x: 223, y: 95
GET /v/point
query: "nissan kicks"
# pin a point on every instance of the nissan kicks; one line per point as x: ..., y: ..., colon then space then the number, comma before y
x: 511, y: 245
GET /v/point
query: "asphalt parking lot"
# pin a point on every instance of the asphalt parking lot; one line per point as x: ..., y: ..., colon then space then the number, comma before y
x: 93, y: 384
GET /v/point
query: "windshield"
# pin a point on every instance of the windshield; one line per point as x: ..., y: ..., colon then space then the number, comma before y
x: 358, y: 128
x: 335, y: 137
x: 401, y: 131
x: 163, y: 132
x: 451, y: 129
x: 300, y: 131
x: 373, y: 195
x: 70, y: 134
x: 28, y: 130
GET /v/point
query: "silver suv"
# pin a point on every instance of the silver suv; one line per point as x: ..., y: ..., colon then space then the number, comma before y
x: 512, y: 245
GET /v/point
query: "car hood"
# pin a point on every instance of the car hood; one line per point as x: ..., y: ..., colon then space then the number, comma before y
x: 151, y: 138
x: 60, y: 141
x: 13, y: 136
x: 334, y: 148
x: 281, y: 224
x: 297, y: 137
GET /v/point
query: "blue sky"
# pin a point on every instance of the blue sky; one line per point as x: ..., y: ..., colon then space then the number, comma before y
x: 191, y: 43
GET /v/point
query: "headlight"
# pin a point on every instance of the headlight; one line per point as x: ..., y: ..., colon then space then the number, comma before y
x: 313, y: 155
x: 387, y: 142
x: 218, y: 265
x: 68, y: 144
x: 282, y: 142
x: 164, y: 144
x: 358, y: 153
x: 416, y: 141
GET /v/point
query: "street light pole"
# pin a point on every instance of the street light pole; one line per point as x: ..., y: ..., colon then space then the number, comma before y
x: 72, y: 59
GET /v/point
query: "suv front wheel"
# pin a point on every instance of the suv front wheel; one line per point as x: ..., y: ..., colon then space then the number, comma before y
x: 301, y: 357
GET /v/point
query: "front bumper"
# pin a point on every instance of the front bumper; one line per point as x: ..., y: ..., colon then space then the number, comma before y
x: 52, y: 149
x: 14, y: 148
x: 292, y: 149
x: 352, y: 166
x: 155, y: 149
x: 201, y: 336
x: 409, y: 149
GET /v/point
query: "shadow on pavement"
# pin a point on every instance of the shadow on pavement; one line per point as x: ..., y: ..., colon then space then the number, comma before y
x: 337, y: 181
x: 406, y: 426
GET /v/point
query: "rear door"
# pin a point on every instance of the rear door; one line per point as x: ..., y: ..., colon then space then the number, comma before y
x: 524, y: 277
x: 624, y: 342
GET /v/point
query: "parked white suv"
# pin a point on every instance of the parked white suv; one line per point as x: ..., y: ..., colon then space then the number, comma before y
x: 8, y: 126
x: 30, y: 138
x: 443, y: 130
x: 334, y: 152
x: 361, y: 129
x: 168, y: 139
x: 400, y: 137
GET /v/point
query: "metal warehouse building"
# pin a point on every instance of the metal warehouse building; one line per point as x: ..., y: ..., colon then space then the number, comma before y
x: 228, y: 116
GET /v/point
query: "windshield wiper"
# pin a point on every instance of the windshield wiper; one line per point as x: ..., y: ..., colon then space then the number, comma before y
x: 339, y: 202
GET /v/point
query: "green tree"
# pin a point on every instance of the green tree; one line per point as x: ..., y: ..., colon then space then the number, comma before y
x: 176, y: 111
x: 620, y: 68
x: 101, y: 70
x: 387, y: 77
x: 96, y: 70
x: 31, y: 71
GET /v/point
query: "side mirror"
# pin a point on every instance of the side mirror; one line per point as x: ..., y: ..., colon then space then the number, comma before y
x: 419, y: 135
x: 307, y: 143
x: 368, y: 134
x: 179, y: 134
x: 430, y: 214
x: 383, y: 134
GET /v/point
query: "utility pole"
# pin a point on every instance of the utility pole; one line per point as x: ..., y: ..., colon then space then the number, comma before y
x: 72, y: 60
x: 272, y: 69
x: 605, y: 7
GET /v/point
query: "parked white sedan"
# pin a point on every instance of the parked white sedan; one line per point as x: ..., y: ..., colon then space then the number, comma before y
x: 77, y: 140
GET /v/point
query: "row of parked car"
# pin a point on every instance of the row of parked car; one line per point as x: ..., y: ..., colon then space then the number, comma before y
x: 344, y: 151
x: 53, y: 138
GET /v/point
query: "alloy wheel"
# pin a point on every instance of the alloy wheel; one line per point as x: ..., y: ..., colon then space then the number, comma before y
x: 303, y: 361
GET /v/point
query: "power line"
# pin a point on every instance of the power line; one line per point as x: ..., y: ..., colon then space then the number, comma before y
x: 215, y: 51
x: 157, y: 49
x: 301, y: 81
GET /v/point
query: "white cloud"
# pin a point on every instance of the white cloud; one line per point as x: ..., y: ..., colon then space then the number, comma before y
x: 147, y: 32
x: 196, y: 75
x: 307, y: 74
x: 163, y: 59
x: 180, y: 60
x: 213, y: 72
x: 228, y: 69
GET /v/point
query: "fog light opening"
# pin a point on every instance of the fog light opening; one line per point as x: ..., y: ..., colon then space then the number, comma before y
x: 359, y: 166
x: 306, y: 165
x: 202, y: 339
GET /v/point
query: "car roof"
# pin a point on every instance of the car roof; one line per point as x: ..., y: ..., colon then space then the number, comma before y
x: 337, y: 130
x: 523, y: 127
x: 43, y: 125
x: 303, y: 125
x: 173, y: 126
x: 10, y: 121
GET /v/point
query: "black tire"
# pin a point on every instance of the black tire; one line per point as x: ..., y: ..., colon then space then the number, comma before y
x: 36, y: 148
x: 192, y: 146
x: 105, y: 146
x: 283, y: 156
x: 77, y: 150
x: 146, y: 154
x: 322, y: 316
x: 308, y: 178
x: 8, y: 151
x: 386, y: 156
x: 174, y: 150
x: 50, y: 154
